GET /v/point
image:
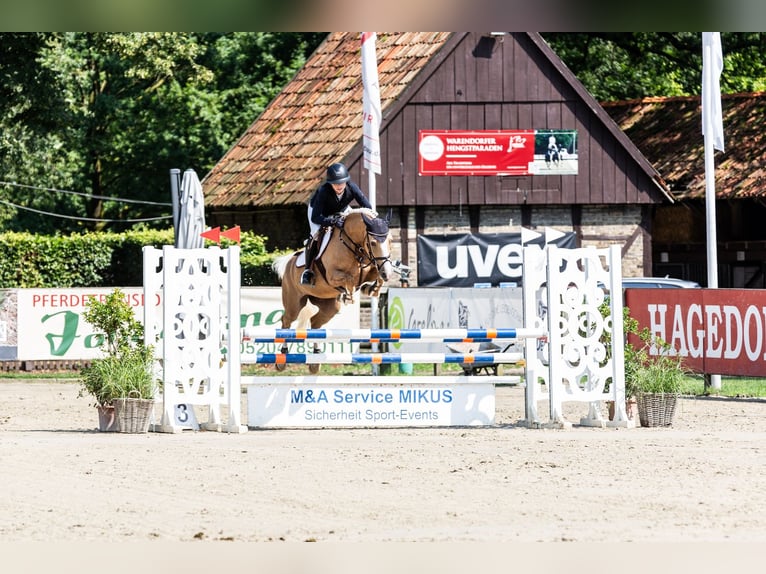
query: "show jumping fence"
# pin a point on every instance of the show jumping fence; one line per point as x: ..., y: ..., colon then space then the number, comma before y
x: 572, y: 338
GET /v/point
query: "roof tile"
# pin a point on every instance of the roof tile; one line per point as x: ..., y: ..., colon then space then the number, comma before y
x: 668, y: 131
x: 316, y: 117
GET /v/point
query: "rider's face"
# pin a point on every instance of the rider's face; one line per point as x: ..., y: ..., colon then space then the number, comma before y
x: 338, y: 188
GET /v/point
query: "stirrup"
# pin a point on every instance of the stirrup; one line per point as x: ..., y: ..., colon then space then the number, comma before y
x: 307, y: 277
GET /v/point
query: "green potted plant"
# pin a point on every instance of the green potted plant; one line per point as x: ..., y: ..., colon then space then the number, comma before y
x: 123, y: 379
x: 655, y: 374
x: 630, y: 325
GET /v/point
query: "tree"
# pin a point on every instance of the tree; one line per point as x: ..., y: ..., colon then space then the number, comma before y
x: 117, y: 89
x: 110, y: 114
x: 620, y: 66
x: 30, y: 145
x: 107, y: 115
x: 250, y: 70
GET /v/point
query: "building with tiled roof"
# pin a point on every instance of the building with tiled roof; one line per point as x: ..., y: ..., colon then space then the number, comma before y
x: 668, y: 132
x: 447, y: 81
x: 316, y: 120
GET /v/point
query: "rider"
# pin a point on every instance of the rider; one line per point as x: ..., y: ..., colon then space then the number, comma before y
x: 553, y: 150
x: 331, y: 197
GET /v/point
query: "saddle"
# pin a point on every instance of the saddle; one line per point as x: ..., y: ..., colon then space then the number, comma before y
x: 317, y: 245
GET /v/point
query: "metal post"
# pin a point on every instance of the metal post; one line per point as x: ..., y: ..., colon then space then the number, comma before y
x: 373, y: 300
x: 175, y: 186
x: 710, y: 214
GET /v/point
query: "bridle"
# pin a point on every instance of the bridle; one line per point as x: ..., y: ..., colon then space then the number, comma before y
x: 363, y: 251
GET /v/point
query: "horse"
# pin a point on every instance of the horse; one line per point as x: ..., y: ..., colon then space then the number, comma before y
x: 355, y: 257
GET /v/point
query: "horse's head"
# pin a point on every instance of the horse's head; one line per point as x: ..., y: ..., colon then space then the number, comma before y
x: 380, y: 242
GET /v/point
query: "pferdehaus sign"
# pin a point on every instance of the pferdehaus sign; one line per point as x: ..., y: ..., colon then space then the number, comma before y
x: 719, y: 331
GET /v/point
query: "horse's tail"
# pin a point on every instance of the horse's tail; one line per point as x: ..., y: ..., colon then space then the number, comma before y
x: 280, y: 264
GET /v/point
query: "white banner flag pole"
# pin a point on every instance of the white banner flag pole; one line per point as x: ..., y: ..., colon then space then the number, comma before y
x: 712, y: 131
x: 371, y: 116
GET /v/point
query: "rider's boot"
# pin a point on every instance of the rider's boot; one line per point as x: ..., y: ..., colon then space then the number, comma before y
x: 307, y: 278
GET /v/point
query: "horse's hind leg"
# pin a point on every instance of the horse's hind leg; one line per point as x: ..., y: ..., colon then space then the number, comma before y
x: 314, y: 368
x: 293, y: 305
x: 326, y: 310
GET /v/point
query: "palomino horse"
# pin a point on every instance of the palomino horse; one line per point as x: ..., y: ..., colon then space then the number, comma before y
x: 356, y: 257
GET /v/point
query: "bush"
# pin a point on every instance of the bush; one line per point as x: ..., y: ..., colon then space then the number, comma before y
x: 106, y: 259
x: 126, y: 369
x: 256, y: 261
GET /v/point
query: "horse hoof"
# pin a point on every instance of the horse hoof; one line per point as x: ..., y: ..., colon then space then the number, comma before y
x: 279, y: 367
x: 314, y: 369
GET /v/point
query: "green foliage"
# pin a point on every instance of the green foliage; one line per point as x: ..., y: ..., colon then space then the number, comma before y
x: 654, y: 367
x: 250, y: 69
x: 626, y: 65
x: 51, y: 261
x: 107, y: 115
x: 256, y: 262
x: 126, y: 370
x: 107, y: 259
x: 78, y: 260
x: 114, y: 317
x: 115, y: 377
x: 126, y: 255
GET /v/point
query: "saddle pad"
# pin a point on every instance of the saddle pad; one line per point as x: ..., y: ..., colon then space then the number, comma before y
x: 301, y: 261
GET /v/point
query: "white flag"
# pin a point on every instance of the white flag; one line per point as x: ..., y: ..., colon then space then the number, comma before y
x: 712, y: 66
x: 370, y: 104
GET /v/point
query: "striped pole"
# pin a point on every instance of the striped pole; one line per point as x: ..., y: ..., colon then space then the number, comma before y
x: 387, y: 358
x: 259, y: 335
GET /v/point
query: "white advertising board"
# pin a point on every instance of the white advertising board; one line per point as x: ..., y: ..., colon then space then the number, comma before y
x: 50, y: 325
x: 453, y: 307
x: 339, y: 402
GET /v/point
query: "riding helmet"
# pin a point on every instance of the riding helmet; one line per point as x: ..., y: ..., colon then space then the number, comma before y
x: 337, y: 173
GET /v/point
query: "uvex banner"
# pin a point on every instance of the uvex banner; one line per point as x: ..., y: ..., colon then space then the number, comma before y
x: 466, y: 259
x: 719, y: 331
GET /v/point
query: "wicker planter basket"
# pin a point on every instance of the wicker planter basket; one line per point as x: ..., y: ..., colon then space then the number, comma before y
x: 133, y: 414
x: 656, y: 409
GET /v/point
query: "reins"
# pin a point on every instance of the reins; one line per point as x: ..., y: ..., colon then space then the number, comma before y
x: 364, y: 257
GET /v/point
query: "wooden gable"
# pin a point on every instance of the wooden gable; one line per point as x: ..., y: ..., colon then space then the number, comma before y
x: 465, y: 81
x: 480, y: 82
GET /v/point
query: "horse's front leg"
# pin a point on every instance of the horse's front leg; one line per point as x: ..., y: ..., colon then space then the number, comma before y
x: 372, y: 289
x: 347, y: 298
